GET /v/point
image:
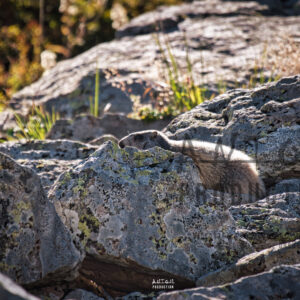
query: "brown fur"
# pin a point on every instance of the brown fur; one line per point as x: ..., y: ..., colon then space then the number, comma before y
x: 220, y: 167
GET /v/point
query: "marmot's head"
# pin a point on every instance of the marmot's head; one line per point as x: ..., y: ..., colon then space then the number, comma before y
x: 143, y: 139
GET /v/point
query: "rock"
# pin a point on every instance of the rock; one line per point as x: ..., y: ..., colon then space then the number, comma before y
x: 80, y: 294
x: 86, y: 128
x: 271, y: 221
x: 287, y: 7
x: 11, y: 291
x: 47, y: 158
x: 138, y: 295
x: 263, y: 122
x: 121, y: 206
x: 35, y: 245
x: 279, y: 154
x: 257, y: 262
x: 279, y: 283
x: 286, y: 186
x: 226, y: 40
x: 167, y: 18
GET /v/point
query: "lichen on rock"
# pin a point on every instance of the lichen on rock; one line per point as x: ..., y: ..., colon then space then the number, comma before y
x: 35, y: 245
x: 147, y: 209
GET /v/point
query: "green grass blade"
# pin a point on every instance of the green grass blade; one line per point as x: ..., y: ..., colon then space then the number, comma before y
x: 97, y: 87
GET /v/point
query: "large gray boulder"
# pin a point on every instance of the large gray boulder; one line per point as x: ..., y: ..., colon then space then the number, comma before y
x: 271, y: 221
x: 35, y: 245
x: 281, y: 282
x: 169, y: 18
x: 145, y: 214
x: 80, y: 294
x: 47, y: 158
x: 257, y: 262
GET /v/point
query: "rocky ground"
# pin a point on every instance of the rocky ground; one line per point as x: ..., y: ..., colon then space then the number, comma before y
x: 228, y: 42
x: 84, y: 219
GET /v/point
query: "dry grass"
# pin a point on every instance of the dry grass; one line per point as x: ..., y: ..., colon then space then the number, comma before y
x: 283, y: 57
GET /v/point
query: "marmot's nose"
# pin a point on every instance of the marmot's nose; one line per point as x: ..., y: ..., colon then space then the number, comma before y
x: 121, y: 144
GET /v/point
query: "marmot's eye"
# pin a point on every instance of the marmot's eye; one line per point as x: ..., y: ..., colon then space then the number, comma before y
x: 138, y: 137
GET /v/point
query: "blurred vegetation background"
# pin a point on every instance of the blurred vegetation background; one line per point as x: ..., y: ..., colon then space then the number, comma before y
x: 66, y: 27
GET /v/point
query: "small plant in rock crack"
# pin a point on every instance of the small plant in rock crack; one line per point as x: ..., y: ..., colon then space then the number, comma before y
x: 94, y: 103
x: 185, y: 94
x: 37, y: 125
x: 182, y: 93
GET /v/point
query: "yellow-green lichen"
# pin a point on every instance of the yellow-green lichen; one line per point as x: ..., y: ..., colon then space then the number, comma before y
x: 139, y: 157
x: 231, y: 255
x: 80, y: 187
x: 193, y: 259
x: 203, y: 210
x: 241, y: 223
x: 172, y: 176
x: 93, y: 222
x: 162, y: 230
x: 159, y: 246
x: 115, y: 150
x: 66, y: 178
x: 82, y: 226
x: 4, y: 267
x: 143, y: 173
x: 122, y: 174
x: 178, y: 242
x: 20, y: 207
x: 162, y: 205
x: 288, y: 237
x: 40, y: 165
x: 262, y: 134
x: 155, y: 218
x: 165, y: 197
x: 87, y: 224
x: 162, y: 256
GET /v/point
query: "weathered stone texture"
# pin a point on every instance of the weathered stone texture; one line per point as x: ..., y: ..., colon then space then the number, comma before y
x: 257, y: 262
x: 80, y: 294
x: 122, y: 207
x: 35, y: 245
x: 47, y: 158
x: 271, y: 221
x: 282, y: 282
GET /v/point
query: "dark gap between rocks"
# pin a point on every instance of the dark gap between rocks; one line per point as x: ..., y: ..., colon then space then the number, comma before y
x: 119, y: 280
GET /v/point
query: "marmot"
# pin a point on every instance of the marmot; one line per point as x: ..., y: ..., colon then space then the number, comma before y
x: 103, y: 138
x: 220, y: 167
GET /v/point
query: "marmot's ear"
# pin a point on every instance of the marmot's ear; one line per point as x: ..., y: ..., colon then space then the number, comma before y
x: 154, y: 134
